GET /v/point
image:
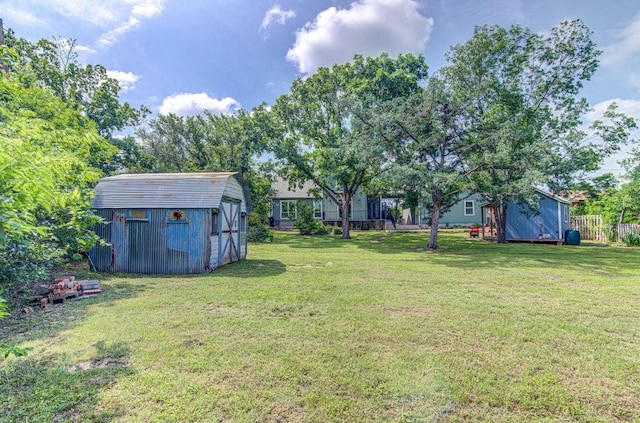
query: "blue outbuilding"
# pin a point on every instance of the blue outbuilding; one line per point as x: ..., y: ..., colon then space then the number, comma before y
x: 548, y: 223
x: 170, y: 223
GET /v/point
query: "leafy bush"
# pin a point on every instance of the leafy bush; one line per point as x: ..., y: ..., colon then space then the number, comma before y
x: 631, y: 239
x: 306, y: 223
x: 334, y: 230
x: 259, y: 233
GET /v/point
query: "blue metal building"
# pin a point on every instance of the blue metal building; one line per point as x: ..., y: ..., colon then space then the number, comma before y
x: 170, y: 223
x: 548, y: 223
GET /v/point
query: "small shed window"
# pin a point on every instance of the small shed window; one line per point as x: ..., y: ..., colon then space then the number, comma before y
x: 138, y: 214
x: 317, y: 209
x: 177, y: 215
x: 243, y: 222
x: 214, y: 221
x: 566, y: 214
x: 469, y: 210
x: 288, y: 210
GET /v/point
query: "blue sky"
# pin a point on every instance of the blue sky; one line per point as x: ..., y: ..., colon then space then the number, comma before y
x: 187, y: 56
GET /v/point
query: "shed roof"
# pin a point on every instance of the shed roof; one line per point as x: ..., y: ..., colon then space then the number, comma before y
x: 167, y: 190
x: 544, y: 194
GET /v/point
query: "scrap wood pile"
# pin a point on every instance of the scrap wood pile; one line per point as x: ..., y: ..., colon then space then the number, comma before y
x: 67, y: 287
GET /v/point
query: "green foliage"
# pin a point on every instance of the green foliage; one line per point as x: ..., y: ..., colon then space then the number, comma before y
x: 328, y: 122
x: 333, y: 230
x: 213, y: 143
x: 54, y: 64
x: 429, y: 157
x: 617, y: 205
x: 45, y: 178
x: 259, y: 233
x: 306, y: 222
x: 523, y: 113
x: 631, y: 238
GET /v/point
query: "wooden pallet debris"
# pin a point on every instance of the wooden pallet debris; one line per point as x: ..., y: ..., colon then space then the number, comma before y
x: 68, y: 288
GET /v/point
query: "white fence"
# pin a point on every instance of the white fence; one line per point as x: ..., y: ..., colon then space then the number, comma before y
x: 591, y: 228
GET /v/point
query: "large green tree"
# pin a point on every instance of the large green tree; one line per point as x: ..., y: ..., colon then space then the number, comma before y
x: 214, y: 143
x: 425, y: 133
x: 521, y: 91
x: 55, y: 64
x: 45, y: 176
x: 327, y: 123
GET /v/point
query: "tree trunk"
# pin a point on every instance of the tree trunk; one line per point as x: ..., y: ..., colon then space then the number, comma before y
x: 500, y: 214
x: 345, y: 206
x: 435, y: 221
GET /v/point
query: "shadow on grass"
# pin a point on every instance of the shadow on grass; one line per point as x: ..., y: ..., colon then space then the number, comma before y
x: 457, y: 250
x: 47, y: 389
x: 32, y: 322
x: 250, y: 268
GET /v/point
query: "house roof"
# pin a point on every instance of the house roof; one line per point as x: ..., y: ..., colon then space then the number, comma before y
x: 167, y: 190
x: 576, y: 196
x: 281, y: 189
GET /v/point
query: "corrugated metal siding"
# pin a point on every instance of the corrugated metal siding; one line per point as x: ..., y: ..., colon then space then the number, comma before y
x: 156, y: 245
x: 189, y: 190
x: 214, y: 257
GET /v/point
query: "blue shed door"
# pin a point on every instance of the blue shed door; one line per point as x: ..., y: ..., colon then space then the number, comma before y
x: 229, y: 239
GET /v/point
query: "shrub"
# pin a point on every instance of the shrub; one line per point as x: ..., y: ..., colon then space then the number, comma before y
x: 306, y: 222
x: 334, y: 230
x: 631, y: 239
x: 259, y: 233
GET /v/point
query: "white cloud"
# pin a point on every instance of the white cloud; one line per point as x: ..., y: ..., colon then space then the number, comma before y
x: 275, y: 15
x: 627, y: 47
x: 127, y: 80
x: 14, y: 13
x: 115, y: 17
x: 84, y: 49
x: 111, y: 37
x: 368, y: 27
x: 630, y: 108
x: 191, y: 104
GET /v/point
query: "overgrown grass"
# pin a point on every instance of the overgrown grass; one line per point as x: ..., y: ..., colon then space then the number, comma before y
x: 319, y: 329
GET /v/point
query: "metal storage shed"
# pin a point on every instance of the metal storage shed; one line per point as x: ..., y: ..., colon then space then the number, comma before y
x: 170, y: 223
x: 546, y: 224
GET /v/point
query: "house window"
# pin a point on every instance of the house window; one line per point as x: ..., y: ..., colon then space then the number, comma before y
x: 214, y: 221
x: 177, y: 215
x: 317, y: 209
x: 288, y: 210
x: 138, y: 214
x: 469, y: 210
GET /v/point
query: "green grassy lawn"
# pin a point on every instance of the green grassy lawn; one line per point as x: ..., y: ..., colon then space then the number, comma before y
x: 318, y: 329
